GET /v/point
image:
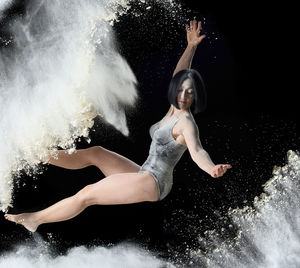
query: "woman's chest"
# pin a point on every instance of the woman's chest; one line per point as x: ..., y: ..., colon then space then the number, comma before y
x: 169, y: 132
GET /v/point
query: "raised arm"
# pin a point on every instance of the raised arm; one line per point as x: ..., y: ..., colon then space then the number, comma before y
x: 198, y: 154
x: 193, y: 39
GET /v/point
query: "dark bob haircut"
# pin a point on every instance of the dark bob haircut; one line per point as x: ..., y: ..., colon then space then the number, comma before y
x: 199, y: 104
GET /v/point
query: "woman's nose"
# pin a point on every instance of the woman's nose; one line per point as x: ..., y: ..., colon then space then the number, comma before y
x: 183, y: 95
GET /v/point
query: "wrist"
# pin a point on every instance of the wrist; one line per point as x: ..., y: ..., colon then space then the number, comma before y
x: 211, y: 170
x: 192, y: 46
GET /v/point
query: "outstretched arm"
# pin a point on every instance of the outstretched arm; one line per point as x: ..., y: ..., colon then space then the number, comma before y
x: 194, y: 39
x: 198, y: 154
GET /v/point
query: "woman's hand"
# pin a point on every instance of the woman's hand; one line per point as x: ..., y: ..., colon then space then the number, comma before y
x: 193, y: 33
x: 219, y: 170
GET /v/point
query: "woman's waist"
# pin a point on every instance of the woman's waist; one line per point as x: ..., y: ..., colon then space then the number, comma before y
x: 162, y: 163
x: 170, y: 156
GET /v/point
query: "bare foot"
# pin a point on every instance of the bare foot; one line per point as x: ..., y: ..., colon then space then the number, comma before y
x: 25, y: 219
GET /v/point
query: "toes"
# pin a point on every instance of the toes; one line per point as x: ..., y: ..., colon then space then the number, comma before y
x: 9, y: 217
x: 20, y: 221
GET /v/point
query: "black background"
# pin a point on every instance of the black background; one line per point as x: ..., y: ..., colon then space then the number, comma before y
x: 247, y: 62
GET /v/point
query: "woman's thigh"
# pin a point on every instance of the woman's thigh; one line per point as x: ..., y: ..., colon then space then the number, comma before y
x: 110, y: 162
x: 123, y: 188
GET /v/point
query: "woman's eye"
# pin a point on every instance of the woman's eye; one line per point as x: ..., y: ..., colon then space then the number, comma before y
x: 187, y: 91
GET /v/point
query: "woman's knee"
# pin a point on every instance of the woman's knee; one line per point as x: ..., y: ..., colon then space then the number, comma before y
x: 84, y: 196
x: 94, y: 153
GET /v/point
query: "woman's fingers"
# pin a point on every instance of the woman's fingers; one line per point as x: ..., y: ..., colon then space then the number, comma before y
x: 199, y: 26
x: 194, y: 24
x: 225, y: 167
x: 194, y: 27
x: 223, y: 170
x: 193, y: 30
x: 220, y: 170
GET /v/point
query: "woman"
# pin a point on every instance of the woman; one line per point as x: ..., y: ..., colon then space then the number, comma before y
x: 126, y: 182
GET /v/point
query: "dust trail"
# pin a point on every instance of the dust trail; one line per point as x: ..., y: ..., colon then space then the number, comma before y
x: 38, y: 253
x: 61, y: 70
x: 4, y: 4
x: 267, y: 235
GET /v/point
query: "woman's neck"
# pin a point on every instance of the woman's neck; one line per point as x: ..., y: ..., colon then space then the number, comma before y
x: 178, y: 112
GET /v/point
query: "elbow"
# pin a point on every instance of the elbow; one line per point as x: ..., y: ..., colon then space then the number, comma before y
x: 198, y: 154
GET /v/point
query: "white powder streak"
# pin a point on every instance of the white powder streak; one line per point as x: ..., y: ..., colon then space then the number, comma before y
x: 64, y: 71
x: 37, y: 254
x: 269, y: 235
x: 4, y: 4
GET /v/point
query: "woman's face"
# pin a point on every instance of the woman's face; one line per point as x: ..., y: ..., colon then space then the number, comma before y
x: 186, y: 95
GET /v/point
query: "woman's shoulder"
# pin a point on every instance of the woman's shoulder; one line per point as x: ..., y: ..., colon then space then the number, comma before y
x: 187, y: 121
x: 187, y: 118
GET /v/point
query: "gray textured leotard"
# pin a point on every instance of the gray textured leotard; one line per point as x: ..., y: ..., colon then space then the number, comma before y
x: 163, y: 156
